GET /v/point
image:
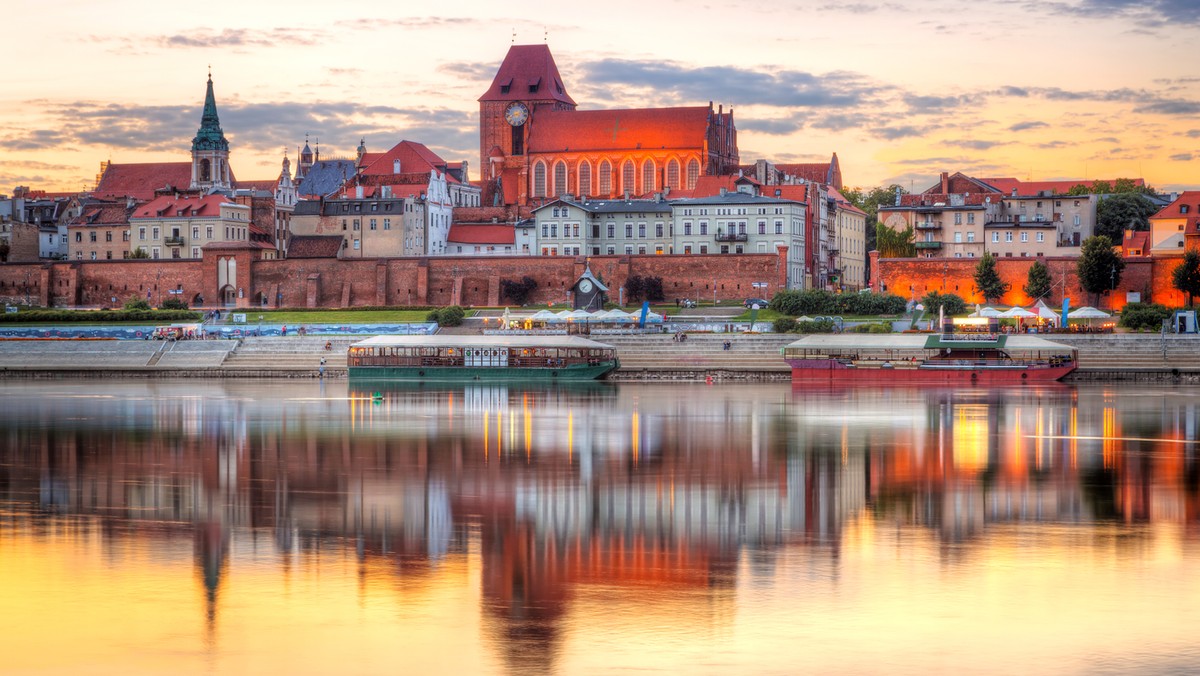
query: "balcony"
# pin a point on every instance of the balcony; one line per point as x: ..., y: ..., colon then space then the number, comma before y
x: 173, y: 241
x: 929, y: 245
x: 731, y: 237
x: 929, y: 225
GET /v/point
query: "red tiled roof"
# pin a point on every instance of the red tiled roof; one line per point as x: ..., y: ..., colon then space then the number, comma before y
x: 526, y: 65
x: 182, y: 206
x: 268, y: 185
x: 1139, y: 240
x: 314, y: 246
x: 843, y: 203
x: 413, y: 156
x: 1189, y: 197
x: 234, y: 246
x: 485, y: 214
x: 647, y: 128
x: 817, y: 172
x: 481, y: 234
x: 141, y: 180
x: 1033, y: 188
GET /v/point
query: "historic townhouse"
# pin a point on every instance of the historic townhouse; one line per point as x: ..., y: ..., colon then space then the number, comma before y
x: 567, y: 227
x: 372, y: 222
x: 1176, y: 227
x: 100, y: 232
x: 178, y: 226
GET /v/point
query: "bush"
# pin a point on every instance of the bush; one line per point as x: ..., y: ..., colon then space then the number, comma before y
x: 873, y: 327
x: 1144, y: 316
x: 173, y: 304
x: 137, y: 304
x: 816, y: 326
x: 819, y: 302
x: 71, y: 316
x: 447, y: 316
x: 951, y: 303
x: 518, y: 292
x: 784, y: 325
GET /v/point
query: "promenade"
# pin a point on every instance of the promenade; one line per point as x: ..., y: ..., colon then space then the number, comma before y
x: 751, y: 357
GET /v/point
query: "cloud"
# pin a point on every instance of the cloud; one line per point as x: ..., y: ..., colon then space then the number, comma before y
x: 1193, y: 133
x: 861, y: 8
x: 895, y: 133
x: 425, y: 22
x: 1051, y: 145
x: 1147, y: 14
x: 1108, y: 139
x: 1182, y: 157
x: 976, y: 144
x: 746, y: 86
x: 844, y: 121
x: 206, y: 38
x: 924, y: 105
x: 777, y: 126
x: 1026, y: 126
x: 1169, y: 107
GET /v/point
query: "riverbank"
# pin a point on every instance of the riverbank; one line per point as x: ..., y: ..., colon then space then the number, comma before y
x: 652, y: 357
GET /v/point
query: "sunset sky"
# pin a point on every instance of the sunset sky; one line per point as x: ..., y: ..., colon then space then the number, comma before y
x: 901, y: 91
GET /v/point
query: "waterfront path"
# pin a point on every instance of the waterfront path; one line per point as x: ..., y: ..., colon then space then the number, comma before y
x: 643, y: 357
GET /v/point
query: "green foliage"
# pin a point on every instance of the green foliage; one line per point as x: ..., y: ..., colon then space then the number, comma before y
x: 638, y: 288
x: 1099, y: 267
x: 137, y: 304
x: 871, y: 327
x: 987, y: 279
x: 1186, y: 276
x: 894, y: 244
x: 784, y: 325
x: 869, y: 200
x: 140, y: 252
x: 99, y: 316
x: 1143, y: 316
x: 1079, y: 190
x: 821, y: 302
x: 816, y: 326
x: 517, y: 292
x: 174, y: 304
x: 447, y: 316
x: 1121, y: 212
x: 952, y: 303
x: 1038, y: 283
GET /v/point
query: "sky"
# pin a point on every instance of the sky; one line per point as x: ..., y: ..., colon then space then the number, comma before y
x: 901, y: 91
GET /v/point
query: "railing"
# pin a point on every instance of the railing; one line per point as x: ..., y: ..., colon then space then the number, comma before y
x: 732, y: 237
x: 929, y: 225
x: 929, y: 245
x: 173, y: 241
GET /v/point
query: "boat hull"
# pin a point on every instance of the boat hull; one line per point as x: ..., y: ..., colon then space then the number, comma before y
x: 815, y: 371
x: 490, y: 374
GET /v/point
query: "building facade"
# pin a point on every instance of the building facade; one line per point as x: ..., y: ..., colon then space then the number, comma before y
x: 370, y: 227
x: 179, y: 226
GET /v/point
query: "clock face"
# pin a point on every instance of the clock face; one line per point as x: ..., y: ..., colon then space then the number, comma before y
x: 585, y: 286
x: 516, y: 114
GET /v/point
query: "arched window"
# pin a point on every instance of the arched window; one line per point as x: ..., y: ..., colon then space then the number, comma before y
x: 648, y: 177
x: 628, y: 179
x: 205, y: 170
x: 605, y: 179
x: 673, y: 175
x: 693, y: 173
x: 560, y: 179
x: 585, y: 178
x: 539, y: 180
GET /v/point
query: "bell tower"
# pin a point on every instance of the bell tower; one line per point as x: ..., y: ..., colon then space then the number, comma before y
x: 210, y: 150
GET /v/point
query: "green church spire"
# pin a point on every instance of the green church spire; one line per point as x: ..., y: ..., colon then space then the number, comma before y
x: 210, y: 136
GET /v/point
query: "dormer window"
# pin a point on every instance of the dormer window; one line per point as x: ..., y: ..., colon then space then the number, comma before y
x: 1183, y: 208
x: 534, y: 85
x: 506, y: 86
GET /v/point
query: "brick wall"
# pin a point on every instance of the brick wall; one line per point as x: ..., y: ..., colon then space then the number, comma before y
x: 914, y: 277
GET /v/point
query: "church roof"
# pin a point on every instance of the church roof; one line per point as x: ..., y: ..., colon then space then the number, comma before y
x: 646, y: 128
x: 139, y: 181
x: 210, y: 136
x: 528, y: 73
x: 413, y: 157
x: 325, y: 177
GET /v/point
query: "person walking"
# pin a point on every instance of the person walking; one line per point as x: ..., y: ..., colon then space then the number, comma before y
x: 321, y: 368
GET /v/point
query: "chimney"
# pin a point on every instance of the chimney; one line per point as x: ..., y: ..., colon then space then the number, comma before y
x: 723, y: 191
x: 358, y: 191
x: 945, y: 182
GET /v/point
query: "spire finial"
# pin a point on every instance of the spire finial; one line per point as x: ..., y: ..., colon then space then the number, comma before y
x: 545, y: 36
x: 514, y: 36
x: 210, y: 72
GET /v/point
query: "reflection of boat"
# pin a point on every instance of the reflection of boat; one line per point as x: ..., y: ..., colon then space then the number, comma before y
x: 571, y: 390
x: 456, y: 357
x: 916, y: 359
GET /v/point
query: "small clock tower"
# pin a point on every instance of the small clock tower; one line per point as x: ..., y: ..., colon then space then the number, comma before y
x: 588, y: 292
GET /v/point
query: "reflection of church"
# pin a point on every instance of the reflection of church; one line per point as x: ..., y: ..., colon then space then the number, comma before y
x: 534, y: 144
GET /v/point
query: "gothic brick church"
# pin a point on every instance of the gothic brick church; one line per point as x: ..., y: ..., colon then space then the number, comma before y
x: 534, y: 145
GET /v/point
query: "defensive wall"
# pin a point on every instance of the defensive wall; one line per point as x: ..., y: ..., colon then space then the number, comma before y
x: 435, y: 281
x: 915, y: 277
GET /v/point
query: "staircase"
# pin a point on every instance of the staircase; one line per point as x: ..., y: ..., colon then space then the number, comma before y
x: 1126, y: 352
x: 658, y: 356
x: 289, y: 356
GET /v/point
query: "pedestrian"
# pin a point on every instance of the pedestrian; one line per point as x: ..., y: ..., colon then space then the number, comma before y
x: 328, y: 345
x: 321, y: 369
x: 285, y: 330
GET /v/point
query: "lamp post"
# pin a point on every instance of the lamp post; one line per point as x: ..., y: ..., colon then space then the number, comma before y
x: 1112, y: 301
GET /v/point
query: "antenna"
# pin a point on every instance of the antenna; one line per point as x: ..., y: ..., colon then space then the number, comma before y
x: 545, y: 35
x: 514, y: 36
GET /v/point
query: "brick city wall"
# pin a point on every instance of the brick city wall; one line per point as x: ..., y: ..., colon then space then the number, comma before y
x: 383, y: 281
x: 915, y: 277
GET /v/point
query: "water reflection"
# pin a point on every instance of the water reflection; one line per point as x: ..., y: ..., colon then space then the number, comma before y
x: 656, y: 506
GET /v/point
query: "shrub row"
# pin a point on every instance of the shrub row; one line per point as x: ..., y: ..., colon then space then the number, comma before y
x: 1141, y: 316
x: 65, y: 316
x: 817, y: 301
x: 447, y: 316
x: 789, y: 325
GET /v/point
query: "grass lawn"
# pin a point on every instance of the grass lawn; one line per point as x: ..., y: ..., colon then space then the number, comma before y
x: 349, y: 316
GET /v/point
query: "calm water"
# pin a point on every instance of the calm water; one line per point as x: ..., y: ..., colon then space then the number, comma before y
x: 307, y: 528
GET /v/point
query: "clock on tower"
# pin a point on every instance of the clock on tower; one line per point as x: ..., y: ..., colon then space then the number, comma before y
x: 588, y: 292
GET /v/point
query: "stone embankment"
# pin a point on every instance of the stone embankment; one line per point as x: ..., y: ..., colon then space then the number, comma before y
x: 1113, y: 357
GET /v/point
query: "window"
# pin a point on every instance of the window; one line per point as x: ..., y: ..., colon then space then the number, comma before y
x: 554, y: 230
x: 356, y: 245
x: 703, y: 248
x: 642, y: 249
x: 605, y: 179
x: 1025, y: 236
x: 539, y: 180
x: 92, y: 237
x: 970, y: 237
x: 518, y: 140
x: 585, y: 180
x: 611, y: 250
x: 957, y: 218
x: 673, y: 175
x: 762, y: 227
x: 703, y: 227
x: 372, y: 223
x: 560, y: 179
x: 387, y: 224
x: 628, y: 249
x: 108, y: 236
x: 93, y: 255
x: 545, y: 229
x: 641, y: 230
x: 971, y: 219
x: 648, y: 182
x: 1041, y: 237
x: 108, y: 255
x: 995, y: 237
x: 612, y: 230
x: 208, y: 232
x: 125, y: 236
x: 79, y: 237
x: 658, y: 229
x: 687, y: 227
x: 629, y: 230
x: 1077, y: 220
x: 1183, y: 208
x: 778, y: 227
x: 155, y: 233
x: 1008, y: 236
x: 195, y: 232
x: 154, y: 252
x: 693, y: 173
x: 628, y: 184
x: 958, y: 238
x: 687, y: 248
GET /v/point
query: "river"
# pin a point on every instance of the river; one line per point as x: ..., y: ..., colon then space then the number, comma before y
x: 315, y: 527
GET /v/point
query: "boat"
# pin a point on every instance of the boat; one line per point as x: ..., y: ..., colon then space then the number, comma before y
x: 499, y: 358
x: 937, y: 359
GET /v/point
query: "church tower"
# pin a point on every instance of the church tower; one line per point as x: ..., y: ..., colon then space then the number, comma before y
x: 210, y: 150
x: 527, y: 81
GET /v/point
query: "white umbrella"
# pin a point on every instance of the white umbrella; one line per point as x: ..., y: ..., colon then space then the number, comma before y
x: 1017, y: 312
x: 600, y: 316
x: 1045, y: 312
x: 619, y: 315
x: 579, y: 314
x: 988, y: 312
x: 543, y: 316
x: 653, y: 317
x: 1088, y: 312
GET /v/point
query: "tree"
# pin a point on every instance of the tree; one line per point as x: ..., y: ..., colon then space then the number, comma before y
x: 1079, y: 190
x: 140, y: 252
x: 1099, y: 267
x: 1123, y: 211
x: 894, y: 244
x: 934, y: 301
x: 869, y: 200
x: 518, y: 292
x: 1038, y: 284
x: 987, y: 279
x: 1186, y: 276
